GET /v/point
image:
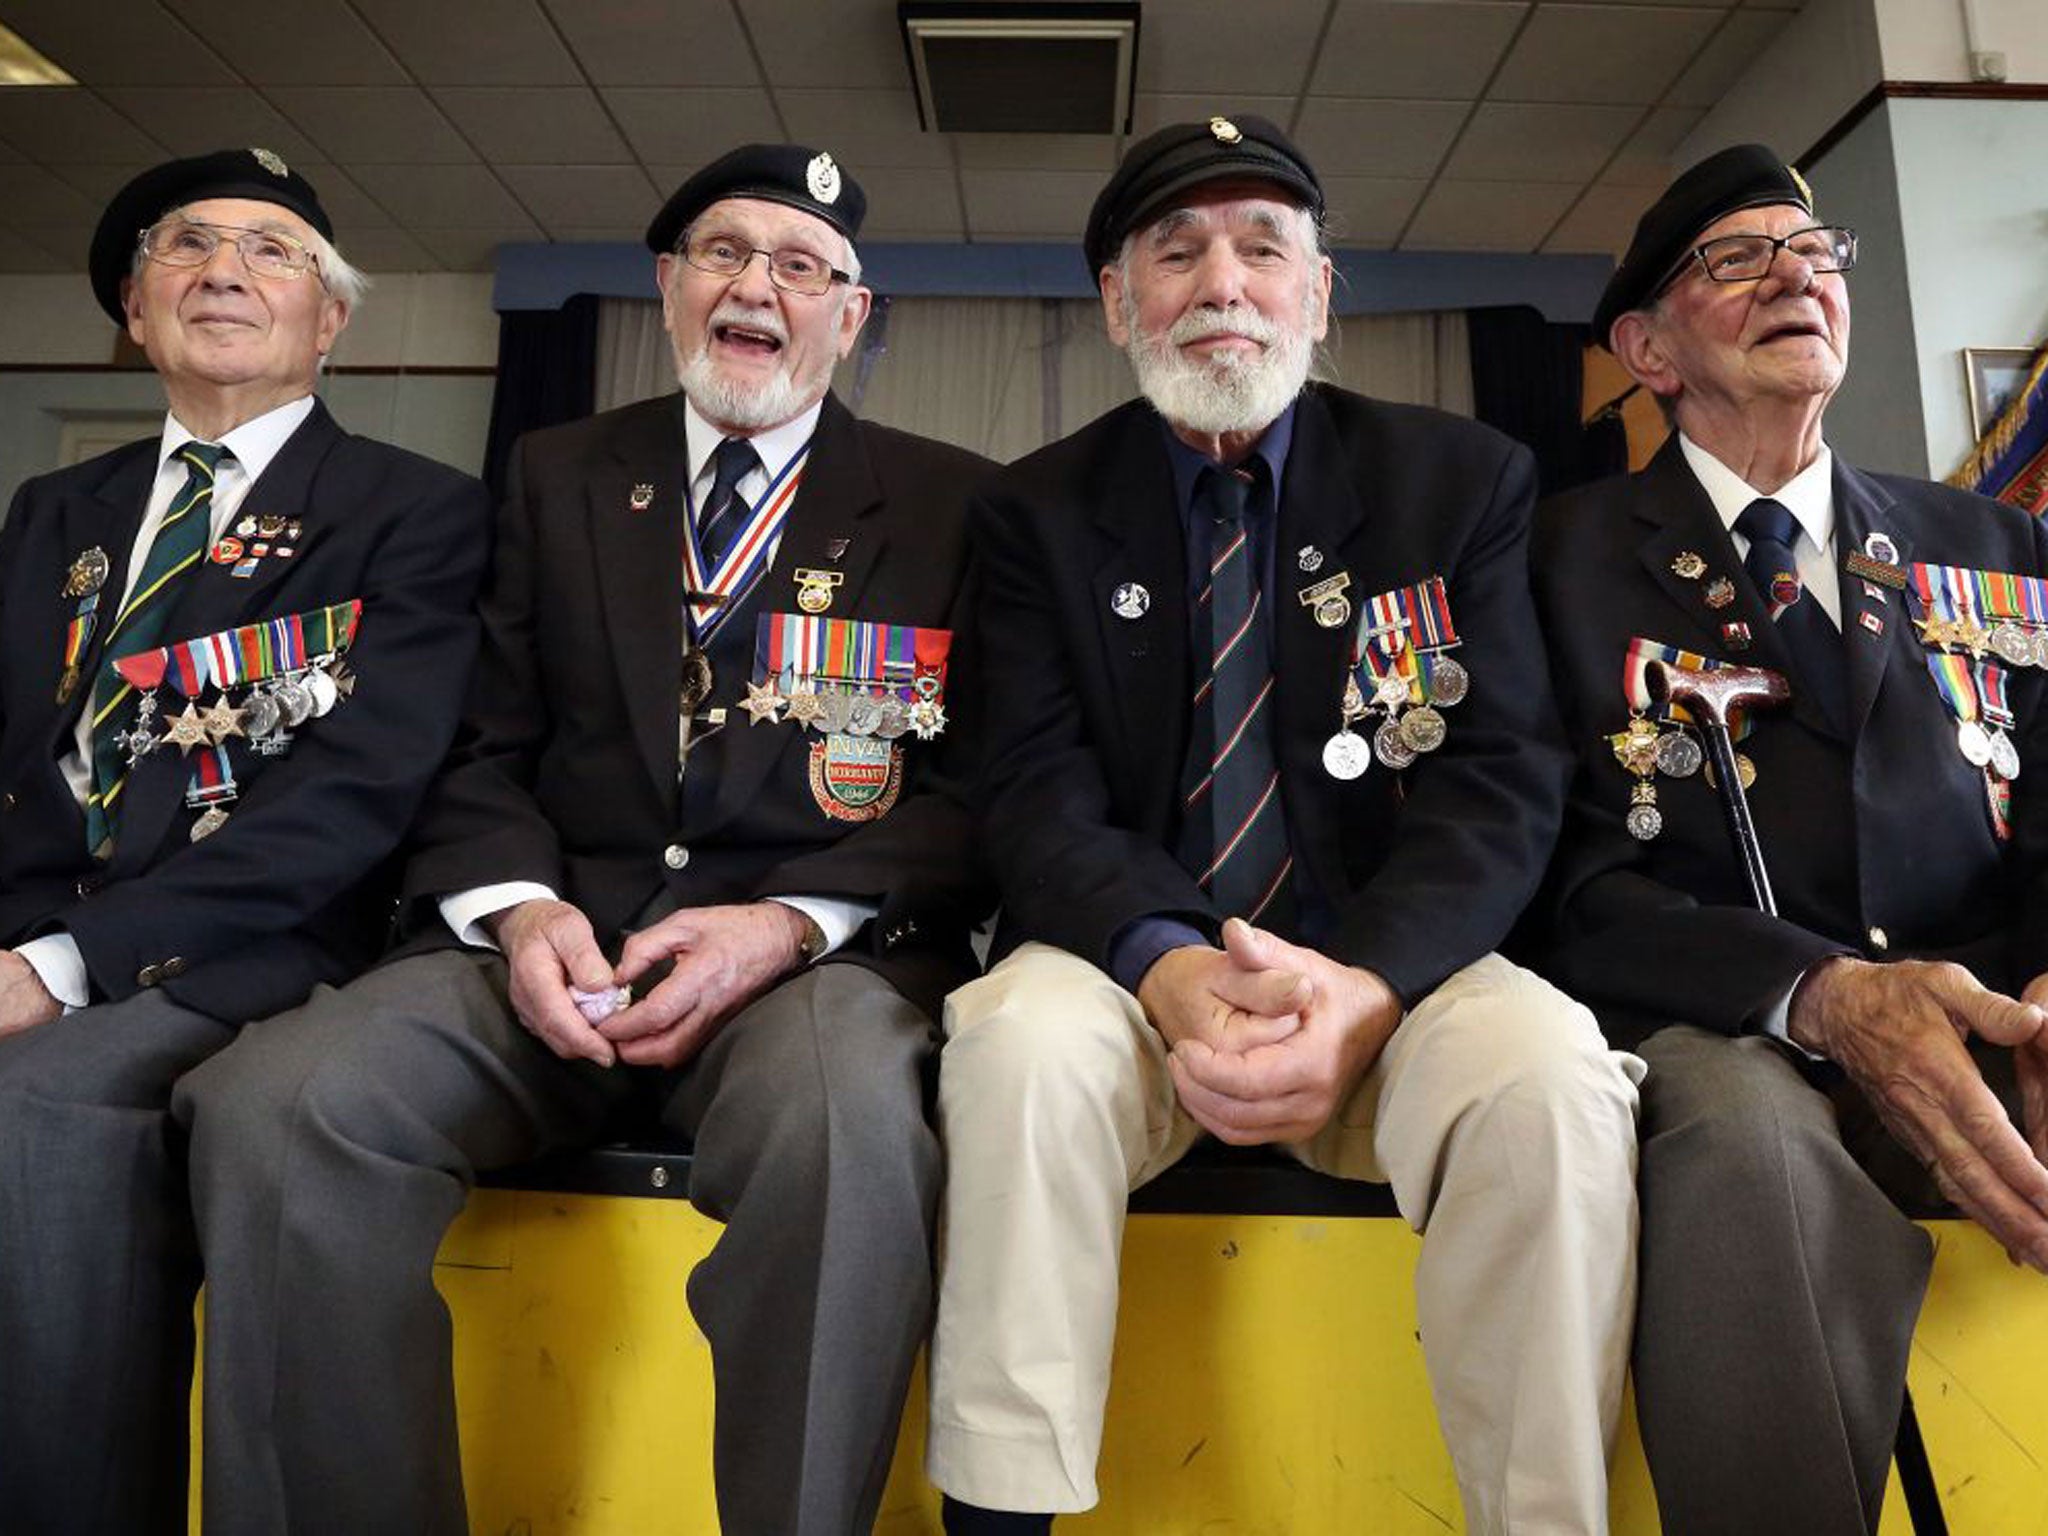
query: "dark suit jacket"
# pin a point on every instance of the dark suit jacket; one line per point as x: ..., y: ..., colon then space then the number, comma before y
x: 1089, y: 714
x: 289, y: 892
x: 1879, y: 845
x: 564, y: 771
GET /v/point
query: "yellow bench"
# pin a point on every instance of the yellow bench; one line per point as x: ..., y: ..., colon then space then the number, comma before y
x: 1268, y: 1381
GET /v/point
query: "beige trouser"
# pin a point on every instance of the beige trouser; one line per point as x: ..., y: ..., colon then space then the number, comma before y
x: 1498, y: 1114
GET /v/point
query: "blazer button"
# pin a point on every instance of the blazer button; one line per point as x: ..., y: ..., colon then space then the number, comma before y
x: 1879, y: 940
x: 675, y: 855
x: 149, y: 976
x: 8, y: 802
x: 86, y: 885
x: 174, y: 967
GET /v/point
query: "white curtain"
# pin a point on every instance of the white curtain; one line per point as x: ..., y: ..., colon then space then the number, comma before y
x: 1004, y: 376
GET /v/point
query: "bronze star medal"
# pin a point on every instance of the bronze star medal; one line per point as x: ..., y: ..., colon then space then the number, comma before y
x: 222, y: 721
x: 804, y: 707
x: 186, y: 729
x: 762, y: 703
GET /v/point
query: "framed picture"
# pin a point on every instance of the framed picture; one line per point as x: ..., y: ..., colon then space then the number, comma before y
x: 1994, y: 376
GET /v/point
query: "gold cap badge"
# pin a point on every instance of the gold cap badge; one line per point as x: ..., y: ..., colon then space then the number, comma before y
x: 1225, y: 130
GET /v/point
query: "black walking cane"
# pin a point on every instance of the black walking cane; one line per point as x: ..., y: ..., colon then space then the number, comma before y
x: 1710, y: 697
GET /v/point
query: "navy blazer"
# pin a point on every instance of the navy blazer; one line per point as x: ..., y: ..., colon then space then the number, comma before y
x: 290, y: 891
x: 1878, y: 843
x: 1089, y: 712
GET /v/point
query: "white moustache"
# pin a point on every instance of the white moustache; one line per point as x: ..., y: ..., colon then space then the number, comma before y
x: 1202, y: 324
x: 766, y: 321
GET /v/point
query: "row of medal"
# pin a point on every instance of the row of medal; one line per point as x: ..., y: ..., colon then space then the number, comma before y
x: 1645, y: 750
x: 1412, y: 726
x: 835, y: 709
x: 265, y: 715
x: 1967, y: 612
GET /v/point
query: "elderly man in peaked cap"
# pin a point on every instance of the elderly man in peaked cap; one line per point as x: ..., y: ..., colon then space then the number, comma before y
x: 687, y: 852
x: 1271, y: 768
x: 1907, y: 854
x: 230, y: 659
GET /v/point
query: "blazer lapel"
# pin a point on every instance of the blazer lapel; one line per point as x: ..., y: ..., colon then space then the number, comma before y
x: 838, y: 492
x: 105, y: 519
x: 1140, y: 555
x: 1875, y: 620
x: 638, y: 545
x: 1320, y: 535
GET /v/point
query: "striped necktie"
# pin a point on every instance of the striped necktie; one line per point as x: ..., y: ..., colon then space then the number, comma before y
x: 1815, y: 643
x: 1234, y: 834
x: 180, y: 541
x: 725, y: 510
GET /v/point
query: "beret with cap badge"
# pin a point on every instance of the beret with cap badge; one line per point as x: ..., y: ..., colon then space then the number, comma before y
x: 791, y: 174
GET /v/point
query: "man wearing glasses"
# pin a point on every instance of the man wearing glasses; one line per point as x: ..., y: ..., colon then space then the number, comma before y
x: 230, y: 659
x: 1801, y: 1064
x: 686, y: 855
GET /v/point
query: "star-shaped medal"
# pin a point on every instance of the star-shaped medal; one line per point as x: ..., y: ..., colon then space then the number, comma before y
x: 804, y: 706
x: 762, y: 703
x: 186, y: 729
x: 1935, y: 631
x: 222, y: 721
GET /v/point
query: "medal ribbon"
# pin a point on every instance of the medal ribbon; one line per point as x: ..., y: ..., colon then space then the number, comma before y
x: 796, y: 649
x: 1635, y: 683
x: 746, y: 557
x: 78, y: 635
x: 1991, y: 686
x: 1417, y: 617
x: 1955, y: 680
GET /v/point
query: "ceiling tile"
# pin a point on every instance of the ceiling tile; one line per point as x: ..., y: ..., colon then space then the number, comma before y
x: 1378, y: 138
x: 348, y: 205
x: 34, y: 196
x: 911, y: 205
x: 471, y: 250
x: 376, y: 124
x: 534, y: 125
x: 1602, y: 220
x: 657, y: 42
x: 1442, y: 49
x: 1722, y: 62
x: 97, y: 184
x: 472, y: 42
x: 195, y: 119
x: 1368, y: 212
x: 1037, y: 152
x: 844, y: 46
x: 564, y: 195
x: 389, y: 250
x: 1486, y: 216
x: 1601, y: 53
x: 109, y: 42
x: 1227, y: 49
x: 1645, y: 160
x: 1514, y: 141
x: 1155, y: 109
x: 69, y: 124
x: 864, y: 130
x: 304, y: 42
x: 18, y: 254
x: 440, y: 196
x: 690, y: 127
x: 1028, y: 204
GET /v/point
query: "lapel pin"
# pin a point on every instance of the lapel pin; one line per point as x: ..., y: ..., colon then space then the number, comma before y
x: 1326, y: 598
x: 88, y: 573
x: 1735, y: 635
x: 1871, y: 622
x: 641, y: 497
x: 1688, y: 566
x: 835, y: 549
x: 1129, y: 601
x: 1310, y: 560
x: 1881, y: 549
x: 1885, y: 573
x: 1720, y: 592
x: 1873, y: 591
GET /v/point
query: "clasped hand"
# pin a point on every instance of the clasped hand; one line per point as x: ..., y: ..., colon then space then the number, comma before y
x: 724, y: 958
x: 1267, y: 1038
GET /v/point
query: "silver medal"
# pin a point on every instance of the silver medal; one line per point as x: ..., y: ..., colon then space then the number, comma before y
x: 864, y: 718
x: 894, y: 721
x: 325, y: 694
x: 1423, y: 729
x: 1974, y: 742
x: 1390, y: 692
x: 294, y: 702
x: 1678, y: 755
x: 835, y: 712
x: 260, y: 715
x: 2005, y: 757
x: 1346, y: 756
x: 1644, y: 821
x: 209, y: 821
x: 1448, y: 682
x: 1389, y: 747
x: 2015, y: 647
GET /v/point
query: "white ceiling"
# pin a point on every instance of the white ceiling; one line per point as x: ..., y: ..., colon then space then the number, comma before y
x: 436, y: 129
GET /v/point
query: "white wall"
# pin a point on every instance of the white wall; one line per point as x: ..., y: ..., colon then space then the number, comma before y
x: 1926, y: 39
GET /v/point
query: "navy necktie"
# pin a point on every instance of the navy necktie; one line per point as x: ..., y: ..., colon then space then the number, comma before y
x: 1234, y: 837
x: 725, y: 510
x: 1815, y: 643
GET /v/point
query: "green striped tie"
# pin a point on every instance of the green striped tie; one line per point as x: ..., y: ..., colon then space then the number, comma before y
x: 180, y: 542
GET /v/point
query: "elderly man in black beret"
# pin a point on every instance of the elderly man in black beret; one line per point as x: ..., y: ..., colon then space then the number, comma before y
x: 1909, y: 870
x: 687, y: 852
x: 230, y: 659
x: 1271, y: 769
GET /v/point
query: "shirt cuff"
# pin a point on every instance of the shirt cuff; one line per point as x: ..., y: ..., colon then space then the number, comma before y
x: 837, y: 917
x: 465, y: 911
x: 1139, y: 943
x: 58, y: 964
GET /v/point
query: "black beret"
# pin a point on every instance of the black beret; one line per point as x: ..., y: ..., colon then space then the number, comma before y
x: 1746, y: 176
x: 790, y: 174
x: 256, y: 174
x: 1185, y: 155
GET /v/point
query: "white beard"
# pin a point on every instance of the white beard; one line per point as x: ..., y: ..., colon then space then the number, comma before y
x: 746, y: 405
x: 1230, y: 392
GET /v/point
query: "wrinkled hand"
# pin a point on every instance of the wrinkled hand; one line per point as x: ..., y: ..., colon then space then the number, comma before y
x: 1898, y: 1030
x: 24, y: 1001
x: 725, y: 957
x: 1199, y: 993
x: 548, y: 947
x: 2031, y: 1062
x: 1286, y: 1089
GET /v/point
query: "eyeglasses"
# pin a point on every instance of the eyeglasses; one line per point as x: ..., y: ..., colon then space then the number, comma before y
x: 265, y: 252
x: 791, y: 269
x: 1745, y: 258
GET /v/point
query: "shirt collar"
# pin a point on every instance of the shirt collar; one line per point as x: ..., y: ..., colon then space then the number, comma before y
x: 254, y: 443
x: 1809, y: 495
x: 776, y: 446
x: 1189, y: 464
